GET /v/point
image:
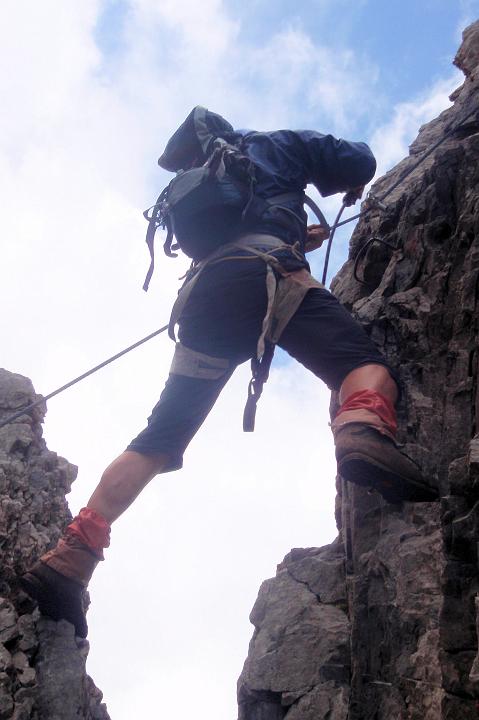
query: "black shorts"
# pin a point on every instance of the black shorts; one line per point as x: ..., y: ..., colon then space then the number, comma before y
x: 223, y: 318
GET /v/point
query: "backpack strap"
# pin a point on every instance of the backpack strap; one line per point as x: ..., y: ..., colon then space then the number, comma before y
x: 203, y: 134
x: 155, y: 219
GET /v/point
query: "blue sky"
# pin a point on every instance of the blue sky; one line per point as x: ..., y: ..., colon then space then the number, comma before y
x: 377, y: 29
x: 98, y: 88
x: 410, y: 42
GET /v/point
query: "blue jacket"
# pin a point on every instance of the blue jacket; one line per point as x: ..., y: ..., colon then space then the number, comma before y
x: 288, y: 160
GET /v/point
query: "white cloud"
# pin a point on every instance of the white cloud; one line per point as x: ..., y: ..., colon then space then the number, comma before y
x: 49, y: 53
x: 305, y: 81
x: 390, y: 142
x: 468, y: 15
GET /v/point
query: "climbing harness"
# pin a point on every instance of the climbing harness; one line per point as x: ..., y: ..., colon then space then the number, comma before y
x: 255, y: 387
x: 284, y: 291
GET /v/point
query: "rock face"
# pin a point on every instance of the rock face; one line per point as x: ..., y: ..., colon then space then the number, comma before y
x: 42, y: 664
x: 295, y: 664
x: 384, y: 623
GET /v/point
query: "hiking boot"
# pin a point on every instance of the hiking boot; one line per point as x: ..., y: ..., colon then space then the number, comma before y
x: 366, y: 457
x: 58, y: 597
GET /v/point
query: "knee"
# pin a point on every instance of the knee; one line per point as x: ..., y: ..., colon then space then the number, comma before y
x: 369, y: 377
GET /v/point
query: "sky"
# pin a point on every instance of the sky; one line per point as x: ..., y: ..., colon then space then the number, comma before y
x: 91, y: 92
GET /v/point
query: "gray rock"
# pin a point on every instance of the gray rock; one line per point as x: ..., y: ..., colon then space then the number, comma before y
x: 5, y: 659
x: 467, y: 58
x: 42, y: 666
x: 8, y: 621
x: 325, y: 702
x: 6, y: 696
x: 322, y: 571
x: 474, y: 671
x: 299, y: 643
x: 61, y: 672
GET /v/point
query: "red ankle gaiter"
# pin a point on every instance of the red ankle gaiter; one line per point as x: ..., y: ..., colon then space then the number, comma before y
x: 375, y: 403
x: 92, y: 530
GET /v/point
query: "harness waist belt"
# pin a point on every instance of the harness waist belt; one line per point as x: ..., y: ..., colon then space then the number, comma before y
x: 283, y: 296
x: 256, y: 240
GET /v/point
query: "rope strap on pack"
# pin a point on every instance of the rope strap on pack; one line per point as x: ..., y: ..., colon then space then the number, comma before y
x: 260, y: 370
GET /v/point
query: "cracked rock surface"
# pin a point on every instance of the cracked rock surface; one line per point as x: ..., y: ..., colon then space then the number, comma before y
x: 383, y: 624
x: 299, y: 653
x: 42, y: 664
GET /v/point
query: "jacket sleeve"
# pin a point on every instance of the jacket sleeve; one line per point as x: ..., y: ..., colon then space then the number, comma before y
x: 335, y: 165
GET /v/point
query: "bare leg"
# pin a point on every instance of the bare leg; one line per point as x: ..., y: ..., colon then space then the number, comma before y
x: 126, y: 477
x: 369, y: 377
x: 123, y: 481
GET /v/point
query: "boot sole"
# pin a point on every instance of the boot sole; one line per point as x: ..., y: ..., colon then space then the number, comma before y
x: 393, y: 487
x: 50, y: 603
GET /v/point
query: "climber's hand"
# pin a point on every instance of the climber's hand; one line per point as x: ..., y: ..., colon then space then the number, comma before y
x: 315, y: 236
x: 353, y: 195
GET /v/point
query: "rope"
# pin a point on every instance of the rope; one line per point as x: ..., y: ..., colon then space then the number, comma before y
x: 35, y: 404
x: 362, y: 252
x: 330, y: 242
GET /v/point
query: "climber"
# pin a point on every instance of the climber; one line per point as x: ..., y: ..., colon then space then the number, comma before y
x: 250, y: 281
